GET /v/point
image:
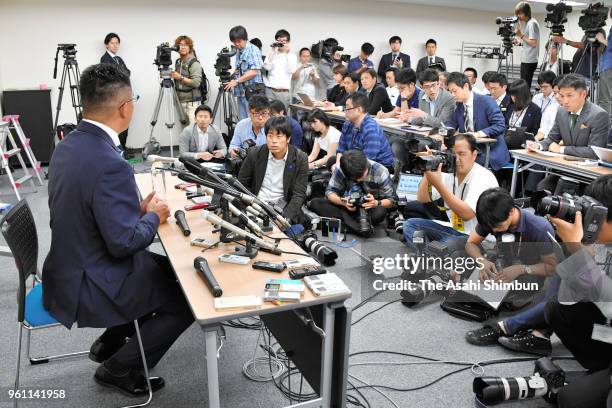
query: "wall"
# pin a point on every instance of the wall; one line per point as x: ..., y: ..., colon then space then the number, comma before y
x: 35, y: 27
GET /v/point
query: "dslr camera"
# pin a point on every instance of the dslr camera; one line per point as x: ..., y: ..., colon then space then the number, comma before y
x: 565, y: 206
x: 163, y: 55
x: 236, y: 162
x: 223, y: 64
x: 356, y: 198
x: 420, y: 164
x: 557, y: 16
x: 309, y: 243
x: 592, y: 19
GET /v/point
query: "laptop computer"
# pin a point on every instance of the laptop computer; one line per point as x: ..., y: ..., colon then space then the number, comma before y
x: 604, y: 155
x: 309, y: 102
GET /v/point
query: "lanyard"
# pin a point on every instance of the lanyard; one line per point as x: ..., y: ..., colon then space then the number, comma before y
x: 519, y: 118
x: 543, y: 107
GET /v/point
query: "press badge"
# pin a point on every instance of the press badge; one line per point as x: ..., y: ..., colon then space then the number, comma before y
x: 457, y: 222
x: 602, y: 333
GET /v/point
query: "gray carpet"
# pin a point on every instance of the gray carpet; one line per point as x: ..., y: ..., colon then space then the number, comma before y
x: 425, y: 331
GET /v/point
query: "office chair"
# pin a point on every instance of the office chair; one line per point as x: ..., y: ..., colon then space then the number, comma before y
x: 19, y: 231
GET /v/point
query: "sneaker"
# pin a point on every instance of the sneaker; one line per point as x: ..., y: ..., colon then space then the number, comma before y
x: 485, y: 336
x: 526, y: 342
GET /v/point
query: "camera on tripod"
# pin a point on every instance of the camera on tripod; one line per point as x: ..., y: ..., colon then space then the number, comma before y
x: 223, y: 64
x: 323, y: 49
x: 68, y: 49
x: 163, y: 56
x: 506, y: 31
x: 308, y: 241
x: 565, y: 206
x: 357, y: 198
x: 557, y: 16
x: 592, y: 19
x: 548, y: 377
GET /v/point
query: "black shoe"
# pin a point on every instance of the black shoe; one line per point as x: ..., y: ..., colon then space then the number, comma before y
x: 132, y: 382
x: 485, y: 336
x: 526, y: 342
x: 100, y: 351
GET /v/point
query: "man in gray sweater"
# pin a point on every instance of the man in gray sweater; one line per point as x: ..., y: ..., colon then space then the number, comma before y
x: 202, y: 141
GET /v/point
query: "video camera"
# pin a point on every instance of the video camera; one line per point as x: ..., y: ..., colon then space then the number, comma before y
x: 327, y: 49
x: 356, y: 198
x: 548, y: 377
x: 506, y: 31
x: 557, y: 16
x: 592, y: 19
x: 223, y: 64
x: 565, y: 206
x: 163, y: 55
x: 69, y: 53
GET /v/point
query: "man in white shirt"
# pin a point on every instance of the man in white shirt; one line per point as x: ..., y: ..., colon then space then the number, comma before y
x: 472, y: 75
x: 280, y: 66
x: 459, y: 191
x: 547, y: 102
x: 553, y: 58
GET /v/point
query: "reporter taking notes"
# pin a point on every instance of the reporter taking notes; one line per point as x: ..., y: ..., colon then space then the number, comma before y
x: 98, y: 272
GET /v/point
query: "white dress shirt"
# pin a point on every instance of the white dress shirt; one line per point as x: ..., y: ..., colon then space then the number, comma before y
x: 552, y: 67
x: 113, y: 135
x: 272, y: 186
x: 549, y: 107
x: 202, y: 140
x: 280, y: 70
x: 393, y: 93
x: 500, y: 99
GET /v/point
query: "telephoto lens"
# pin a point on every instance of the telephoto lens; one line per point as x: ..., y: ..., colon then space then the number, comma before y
x: 493, y: 390
x: 422, y: 289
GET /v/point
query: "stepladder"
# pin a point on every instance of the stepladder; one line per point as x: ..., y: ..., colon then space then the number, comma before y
x: 13, y: 121
x: 6, y: 153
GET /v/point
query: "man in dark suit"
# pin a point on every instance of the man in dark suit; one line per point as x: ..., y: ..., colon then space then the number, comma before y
x: 112, y: 42
x: 395, y: 58
x: 97, y: 272
x: 431, y: 60
x: 579, y: 123
x: 497, y: 84
x: 277, y: 172
x: 479, y: 115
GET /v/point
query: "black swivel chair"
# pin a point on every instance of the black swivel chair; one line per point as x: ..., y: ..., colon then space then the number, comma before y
x: 19, y: 231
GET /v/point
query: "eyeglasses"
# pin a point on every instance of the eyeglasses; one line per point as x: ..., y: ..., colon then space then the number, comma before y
x: 349, y: 109
x: 134, y: 99
x: 427, y: 87
x: 261, y: 114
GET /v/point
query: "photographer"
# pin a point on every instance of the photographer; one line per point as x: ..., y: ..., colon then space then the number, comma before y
x: 497, y: 215
x: 251, y: 128
x: 305, y: 76
x: 280, y: 65
x: 202, y: 141
x: 187, y: 76
x: 326, y: 142
x: 360, y: 63
x: 522, y: 112
x: 583, y: 309
x: 529, y: 39
x: 377, y: 95
x: 396, y: 58
x: 436, y: 106
x: 361, y: 132
x: 277, y: 172
x: 357, y: 173
x: 459, y: 192
x: 327, y: 64
x: 479, y: 115
x: 585, y: 65
x: 247, y: 76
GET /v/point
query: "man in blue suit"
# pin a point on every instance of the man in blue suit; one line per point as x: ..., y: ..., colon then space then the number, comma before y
x: 97, y: 272
x: 479, y: 115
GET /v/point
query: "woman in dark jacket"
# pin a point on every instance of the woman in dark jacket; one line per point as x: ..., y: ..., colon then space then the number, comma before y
x: 522, y: 112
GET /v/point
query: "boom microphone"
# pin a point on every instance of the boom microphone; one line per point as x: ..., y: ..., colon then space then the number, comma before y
x: 201, y: 264
x: 181, y: 221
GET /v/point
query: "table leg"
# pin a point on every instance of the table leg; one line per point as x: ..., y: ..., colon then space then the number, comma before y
x: 487, y: 154
x: 327, y: 356
x: 212, y: 368
x: 514, y: 177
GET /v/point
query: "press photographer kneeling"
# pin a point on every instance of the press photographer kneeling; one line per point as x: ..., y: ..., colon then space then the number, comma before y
x: 359, y: 193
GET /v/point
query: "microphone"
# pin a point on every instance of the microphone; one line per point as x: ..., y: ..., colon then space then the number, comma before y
x: 201, y: 265
x: 155, y: 158
x: 252, y: 225
x: 181, y: 221
x: 215, y: 220
x: 192, y: 165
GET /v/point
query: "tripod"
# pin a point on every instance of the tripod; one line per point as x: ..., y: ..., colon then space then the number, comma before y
x: 167, y: 95
x: 590, y: 49
x: 505, y: 60
x: 70, y: 71
x: 230, y: 111
x: 559, y: 47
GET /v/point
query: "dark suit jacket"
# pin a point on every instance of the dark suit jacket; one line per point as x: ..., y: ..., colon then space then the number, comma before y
x: 295, y: 177
x: 386, y: 62
x: 531, y: 119
x: 107, y: 59
x: 423, y: 64
x: 505, y: 104
x: 379, y: 99
x: 97, y: 272
x: 488, y: 119
x: 591, y: 130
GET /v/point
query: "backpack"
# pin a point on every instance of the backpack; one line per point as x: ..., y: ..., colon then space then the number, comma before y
x: 203, y: 83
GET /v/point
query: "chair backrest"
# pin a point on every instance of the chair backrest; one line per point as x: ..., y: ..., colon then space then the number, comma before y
x: 19, y: 231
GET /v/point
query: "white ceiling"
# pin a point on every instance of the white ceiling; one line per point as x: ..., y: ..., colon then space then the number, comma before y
x: 501, y: 6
